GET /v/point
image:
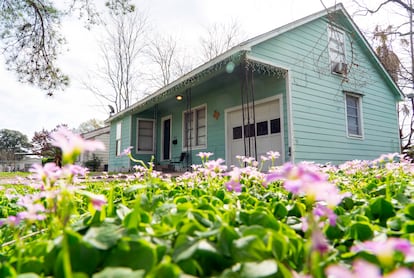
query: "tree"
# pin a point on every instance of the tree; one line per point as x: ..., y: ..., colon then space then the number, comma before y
x: 12, y: 144
x: 42, y: 145
x: 31, y: 38
x: 219, y: 38
x: 166, y: 56
x: 385, y: 52
x: 399, y: 35
x: 89, y: 125
x: 120, y: 50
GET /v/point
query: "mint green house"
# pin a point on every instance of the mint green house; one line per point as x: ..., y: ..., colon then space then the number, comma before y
x: 312, y: 90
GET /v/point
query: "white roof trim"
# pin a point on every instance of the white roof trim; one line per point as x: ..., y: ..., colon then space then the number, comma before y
x: 283, y: 29
x: 190, y: 74
x: 247, y: 45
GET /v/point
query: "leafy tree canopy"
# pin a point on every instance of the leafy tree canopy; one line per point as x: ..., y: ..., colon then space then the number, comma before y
x: 42, y: 144
x: 31, y: 38
x: 89, y: 125
x: 12, y: 142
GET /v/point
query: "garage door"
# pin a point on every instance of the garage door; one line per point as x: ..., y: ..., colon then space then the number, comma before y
x: 266, y: 130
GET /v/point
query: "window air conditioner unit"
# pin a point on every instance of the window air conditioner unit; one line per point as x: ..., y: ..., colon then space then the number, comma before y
x: 340, y: 68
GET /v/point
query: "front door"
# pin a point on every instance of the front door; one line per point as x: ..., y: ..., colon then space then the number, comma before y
x: 166, y: 138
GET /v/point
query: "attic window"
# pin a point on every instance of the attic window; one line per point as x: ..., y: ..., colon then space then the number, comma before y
x: 337, y: 51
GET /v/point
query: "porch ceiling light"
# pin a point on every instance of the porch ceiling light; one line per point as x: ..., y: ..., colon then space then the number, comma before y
x: 179, y: 97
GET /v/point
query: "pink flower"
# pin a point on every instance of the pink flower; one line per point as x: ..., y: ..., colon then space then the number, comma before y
x: 204, y: 155
x: 34, y: 214
x: 97, y: 201
x: 295, y: 177
x: 400, y: 273
x: 324, y: 211
x: 273, y: 155
x: 319, y: 242
x: 34, y: 211
x: 234, y: 183
x: 74, y: 170
x: 305, y: 180
x: 48, y: 173
x: 73, y: 144
x: 127, y: 151
x: 12, y: 221
x: 389, y: 157
x: 214, y: 167
x: 363, y: 269
x: 385, y: 249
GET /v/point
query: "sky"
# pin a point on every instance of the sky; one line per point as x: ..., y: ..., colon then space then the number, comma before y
x: 28, y: 109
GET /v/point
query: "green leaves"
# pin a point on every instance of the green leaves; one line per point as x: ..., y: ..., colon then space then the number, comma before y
x: 134, y: 254
x: 119, y: 272
x: 361, y: 231
x: 103, y: 237
x: 157, y: 228
x: 381, y: 209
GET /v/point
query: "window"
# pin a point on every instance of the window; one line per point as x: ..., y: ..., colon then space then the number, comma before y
x: 337, y: 50
x: 262, y: 128
x: 145, y: 136
x: 249, y: 130
x: 237, y: 132
x: 353, y: 115
x: 118, y: 139
x: 275, y: 126
x: 195, y: 128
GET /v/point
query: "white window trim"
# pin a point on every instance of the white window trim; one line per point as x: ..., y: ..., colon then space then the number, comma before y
x: 360, y: 116
x: 200, y: 147
x: 118, y: 138
x: 153, y: 136
x: 163, y: 119
x: 330, y: 27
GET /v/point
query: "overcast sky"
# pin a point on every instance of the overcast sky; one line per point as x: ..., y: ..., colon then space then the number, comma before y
x: 28, y: 109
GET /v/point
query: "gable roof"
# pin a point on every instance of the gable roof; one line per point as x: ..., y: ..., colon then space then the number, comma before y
x: 248, y: 44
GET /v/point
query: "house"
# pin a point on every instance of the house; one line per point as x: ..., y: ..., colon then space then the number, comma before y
x: 86, y: 158
x: 312, y: 90
x: 20, y: 165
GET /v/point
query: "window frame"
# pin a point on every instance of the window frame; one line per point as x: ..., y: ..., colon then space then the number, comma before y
x: 118, y: 137
x: 194, y: 121
x: 341, y: 53
x: 359, y: 117
x: 138, y: 151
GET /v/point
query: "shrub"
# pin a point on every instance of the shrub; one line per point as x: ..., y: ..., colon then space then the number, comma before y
x: 94, y: 163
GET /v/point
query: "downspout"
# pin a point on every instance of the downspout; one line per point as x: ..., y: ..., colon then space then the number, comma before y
x: 242, y: 90
x: 246, y: 76
x: 253, y: 112
x: 189, y: 134
x: 130, y: 140
x: 155, y: 133
x: 291, y: 136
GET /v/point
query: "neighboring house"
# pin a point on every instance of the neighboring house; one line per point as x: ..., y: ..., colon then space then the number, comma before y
x: 312, y: 90
x: 22, y: 165
x: 100, y: 134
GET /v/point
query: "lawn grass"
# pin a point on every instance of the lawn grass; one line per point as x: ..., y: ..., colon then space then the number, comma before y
x: 9, y: 175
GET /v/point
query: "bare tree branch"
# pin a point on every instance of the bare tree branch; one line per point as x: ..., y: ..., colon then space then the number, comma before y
x: 219, y: 38
x: 122, y: 47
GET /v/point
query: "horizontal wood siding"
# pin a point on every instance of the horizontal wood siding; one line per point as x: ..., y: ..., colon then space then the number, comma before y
x: 318, y: 99
x: 120, y: 163
x: 217, y: 98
